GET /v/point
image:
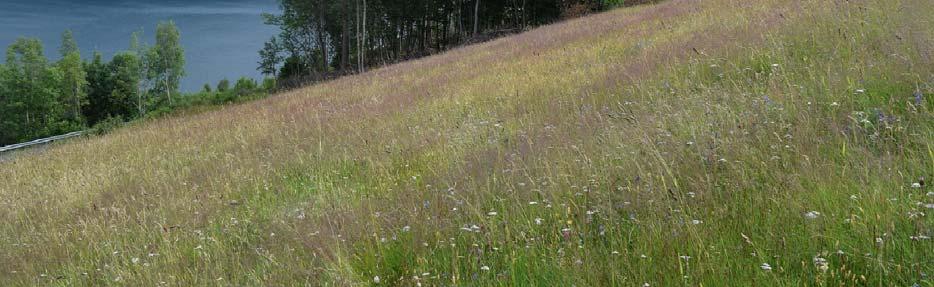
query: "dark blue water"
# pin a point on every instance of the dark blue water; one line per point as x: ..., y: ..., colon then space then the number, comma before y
x: 221, y: 38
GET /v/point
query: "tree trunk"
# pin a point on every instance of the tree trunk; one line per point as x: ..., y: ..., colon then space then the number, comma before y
x: 363, y: 49
x: 168, y: 92
x: 476, y: 17
x: 77, y: 101
x: 345, y: 38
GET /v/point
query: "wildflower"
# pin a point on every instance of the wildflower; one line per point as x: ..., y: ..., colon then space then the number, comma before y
x: 879, y: 240
x: 853, y: 197
x: 834, y: 104
x: 812, y: 215
x: 821, y: 263
x: 485, y: 268
x: 774, y: 65
x: 685, y: 257
x: 919, y: 98
x: 538, y: 221
x: 492, y: 213
x: 766, y: 267
x: 915, y: 185
x: 406, y: 228
x: 533, y: 202
x: 696, y: 222
x: 376, y: 279
x: 920, y: 237
x: 860, y: 91
x: 615, y: 252
x: 135, y: 260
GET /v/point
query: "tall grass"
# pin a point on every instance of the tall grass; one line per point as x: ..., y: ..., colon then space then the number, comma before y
x: 718, y: 143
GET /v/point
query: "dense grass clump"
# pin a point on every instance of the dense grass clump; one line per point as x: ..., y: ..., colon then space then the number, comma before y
x: 715, y: 143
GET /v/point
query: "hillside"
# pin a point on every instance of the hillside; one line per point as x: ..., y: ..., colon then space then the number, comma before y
x: 714, y: 143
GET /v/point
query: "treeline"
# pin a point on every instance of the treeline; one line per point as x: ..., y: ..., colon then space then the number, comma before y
x: 320, y: 39
x: 40, y: 99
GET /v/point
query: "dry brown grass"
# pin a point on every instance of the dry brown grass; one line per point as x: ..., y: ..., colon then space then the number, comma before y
x: 313, y: 186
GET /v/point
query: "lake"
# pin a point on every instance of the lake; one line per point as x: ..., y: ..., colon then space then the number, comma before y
x: 221, y: 38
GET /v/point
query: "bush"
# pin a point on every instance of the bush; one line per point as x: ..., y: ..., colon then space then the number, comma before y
x: 107, y: 125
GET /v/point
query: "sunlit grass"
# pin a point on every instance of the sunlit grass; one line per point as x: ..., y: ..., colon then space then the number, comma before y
x: 735, y: 143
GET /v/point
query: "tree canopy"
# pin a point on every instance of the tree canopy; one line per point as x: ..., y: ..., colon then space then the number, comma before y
x: 324, y: 38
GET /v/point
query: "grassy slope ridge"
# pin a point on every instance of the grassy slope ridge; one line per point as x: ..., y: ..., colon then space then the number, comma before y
x: 683, y: 143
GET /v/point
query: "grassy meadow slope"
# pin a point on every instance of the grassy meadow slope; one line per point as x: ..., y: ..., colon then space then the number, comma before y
x: 713, y: 143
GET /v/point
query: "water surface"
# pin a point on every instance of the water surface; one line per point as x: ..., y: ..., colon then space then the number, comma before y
x: 221, y: 38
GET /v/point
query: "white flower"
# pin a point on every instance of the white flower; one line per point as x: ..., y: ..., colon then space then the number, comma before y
x: 615, y: 252
x: 406, y: 228
x: 774, y: 65
x: 685, y: 257
x: 135, y: 260
x: 376, y: 279
x: 812, y: 215
x: 766, y: 267
x: 696, y: 222
x: 821, y: 263
x: 916, y: 185
x: 533, y: 202
x: 485, y: 268
x: 920, y: 237
x: 860, y: 91
x: 834, y: 104
x: 492, y: 213
x: 538, y: 221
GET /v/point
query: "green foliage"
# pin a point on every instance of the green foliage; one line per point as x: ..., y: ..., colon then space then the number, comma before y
x: 269, y: 85
x: 31, y: 105
x: 166, y: 61
x: 320, y: 39
x: 73, y: 85
x: 223, y: 86
x: 40, y: 100
x: 245, y: 86
x: 107, y: 125
x: 69, y: 45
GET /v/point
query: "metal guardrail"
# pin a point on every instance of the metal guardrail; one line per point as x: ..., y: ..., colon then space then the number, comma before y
x: 39, y: 141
